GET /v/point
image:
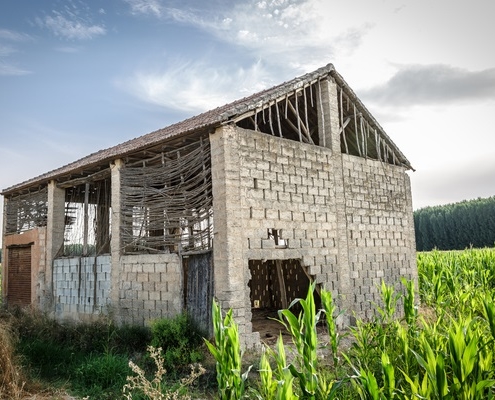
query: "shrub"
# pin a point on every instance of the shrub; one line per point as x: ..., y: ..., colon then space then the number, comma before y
x: 138, y: 384
x: 180, y: 338
x: 100, y: 374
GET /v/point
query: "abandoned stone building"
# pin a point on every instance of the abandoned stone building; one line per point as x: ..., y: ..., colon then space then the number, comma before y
x: 246, y: 203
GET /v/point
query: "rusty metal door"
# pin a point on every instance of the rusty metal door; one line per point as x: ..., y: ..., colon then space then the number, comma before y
x: 19, y: 276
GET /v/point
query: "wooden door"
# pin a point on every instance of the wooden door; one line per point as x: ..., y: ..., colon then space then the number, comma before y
x: 19, y: 276
x: 198, y: 290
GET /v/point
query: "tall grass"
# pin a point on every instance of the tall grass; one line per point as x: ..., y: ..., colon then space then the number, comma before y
x: 11, y: 379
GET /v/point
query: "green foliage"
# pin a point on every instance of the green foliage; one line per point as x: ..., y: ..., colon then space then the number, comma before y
x: 304, y: 337
x: 447, y: 353
x: 333, y: 333
x: 456, y: 226
x: 92, y: 357
x: 180, y: 339
x: 100, y: 374
x: 227, y: 353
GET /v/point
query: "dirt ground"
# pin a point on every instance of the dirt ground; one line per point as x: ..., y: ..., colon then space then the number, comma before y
x: 264, y: 322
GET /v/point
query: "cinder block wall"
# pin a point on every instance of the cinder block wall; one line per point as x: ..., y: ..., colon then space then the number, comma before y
x: 380, y: 229
x: 150, y: 288
x: 348, y: 219
x: 81, y: 286
x: 289, y: 186
x: 271, y: 183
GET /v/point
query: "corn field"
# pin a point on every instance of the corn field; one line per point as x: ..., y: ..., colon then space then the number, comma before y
x: 441, y: 347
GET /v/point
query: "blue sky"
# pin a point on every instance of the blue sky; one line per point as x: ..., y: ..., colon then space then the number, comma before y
x: 78, y: 76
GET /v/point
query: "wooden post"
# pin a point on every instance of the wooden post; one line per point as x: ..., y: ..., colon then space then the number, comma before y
x: 281, y: 282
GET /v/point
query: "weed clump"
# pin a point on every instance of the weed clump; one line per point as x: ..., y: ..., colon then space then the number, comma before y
x: 180, y: 338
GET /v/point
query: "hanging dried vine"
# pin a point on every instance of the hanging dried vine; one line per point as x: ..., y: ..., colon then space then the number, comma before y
x: 166, y: 201
x: 26, y: 211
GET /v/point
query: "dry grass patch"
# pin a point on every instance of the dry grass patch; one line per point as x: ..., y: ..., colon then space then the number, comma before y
x: 11, y: 379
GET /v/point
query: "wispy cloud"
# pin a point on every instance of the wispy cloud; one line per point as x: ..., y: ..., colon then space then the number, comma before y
x: 290, y: 37
x: 153, y: 7
x: 296, y: 34
x: 195, y: 87
x: 433, y: 84
x: 13, y: 36
x: 73, y: 22
x: 9, y: 41
x: 7, y: 69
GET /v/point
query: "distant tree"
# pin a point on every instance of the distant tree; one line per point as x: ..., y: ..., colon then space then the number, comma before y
x: 456, y: 226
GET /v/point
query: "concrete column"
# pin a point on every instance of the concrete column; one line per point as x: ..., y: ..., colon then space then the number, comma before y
x: 328, y: 116
x: 55, y: 227
x: 4, y: 249
x: 328, y: 125
x: 231, y: 270
x: 115, y: 272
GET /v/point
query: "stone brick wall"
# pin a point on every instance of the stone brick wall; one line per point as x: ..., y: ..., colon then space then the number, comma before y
x: 270, y: 183
x: 348, y: 219
x: 289, y: 186
x: 150, y: 287
x: 380, y: 229
x: 81, y: 286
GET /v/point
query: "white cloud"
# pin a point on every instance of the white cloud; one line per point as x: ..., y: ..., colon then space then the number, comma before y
x: 300, y: 35
x: 153, y: 7
x: 70, y: 28
x: 7, y: 67
x: 68, y: 49
x: 14, y: 36
x: 6, y: 50
x: 12, y: 70
x: 195, y: 87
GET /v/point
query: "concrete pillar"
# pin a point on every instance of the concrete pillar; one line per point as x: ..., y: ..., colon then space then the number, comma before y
x: 4, y: 249
x: 328, y: 116
x: 55, y: 227
x: 115, y: 272
x: 328, y: 125
x: 231, y: 268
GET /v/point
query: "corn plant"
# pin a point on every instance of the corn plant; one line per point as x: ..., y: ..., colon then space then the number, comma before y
x: 275, y: 384
x: 390, y: 299
x: 283, y: 375
x: 303, y: 332
x: 434, y: 382
x: 410, y: 309
x: 227, y: 352
x: 268, y: 386
x: 333, y: 333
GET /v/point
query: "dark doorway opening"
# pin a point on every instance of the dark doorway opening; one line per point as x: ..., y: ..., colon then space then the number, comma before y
x: 273, y: 286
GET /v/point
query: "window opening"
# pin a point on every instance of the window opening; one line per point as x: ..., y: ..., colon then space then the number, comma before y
x: 87, y: 219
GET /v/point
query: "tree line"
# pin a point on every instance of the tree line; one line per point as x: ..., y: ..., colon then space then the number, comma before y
x: 456, y: 226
